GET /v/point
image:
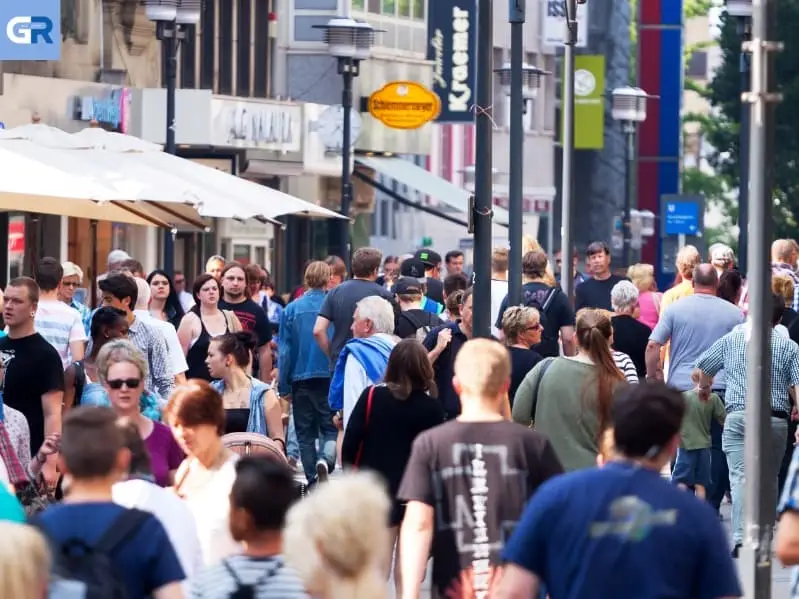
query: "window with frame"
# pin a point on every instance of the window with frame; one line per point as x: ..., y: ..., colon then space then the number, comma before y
x: 358, y: 4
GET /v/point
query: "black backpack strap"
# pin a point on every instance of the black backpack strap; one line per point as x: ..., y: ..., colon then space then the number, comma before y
x: 547, y: 362
x: 80, y: 381
x: 240, y: 586
x: 122, y: 529
x: 413, y: 320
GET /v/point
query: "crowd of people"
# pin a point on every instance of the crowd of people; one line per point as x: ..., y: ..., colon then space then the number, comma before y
x: 164, y: 440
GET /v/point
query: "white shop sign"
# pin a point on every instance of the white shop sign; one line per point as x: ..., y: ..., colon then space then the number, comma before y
x: 553, y: 23
x: 257, y: 125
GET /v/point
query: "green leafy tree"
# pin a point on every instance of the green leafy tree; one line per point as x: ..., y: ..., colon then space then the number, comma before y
x: 725, y: 97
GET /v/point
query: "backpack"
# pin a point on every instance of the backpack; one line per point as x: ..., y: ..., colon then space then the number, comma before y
x: 542, y: 308
x: 247, y: 591
x: 76, y: 564
x: 421, y: 328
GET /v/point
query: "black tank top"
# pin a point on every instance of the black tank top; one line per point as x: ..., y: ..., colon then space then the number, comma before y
x: 195, y: 358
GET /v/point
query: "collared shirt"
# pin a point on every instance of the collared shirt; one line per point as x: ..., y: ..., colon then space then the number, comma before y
x: 730, y: 353
x: 790, y: 502
x: 152, y: 344
x: 85, y: 315
x: 780, y: 268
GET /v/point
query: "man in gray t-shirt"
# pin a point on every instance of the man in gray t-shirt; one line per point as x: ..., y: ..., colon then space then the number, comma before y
x: 692, y: 324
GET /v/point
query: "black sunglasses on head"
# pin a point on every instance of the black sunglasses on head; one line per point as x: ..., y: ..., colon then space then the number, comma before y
x: 116, y: 384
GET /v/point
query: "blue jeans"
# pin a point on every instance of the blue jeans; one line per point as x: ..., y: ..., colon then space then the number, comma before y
x: 313, y: 419
x: 292, y: 444
x: 733, y: 444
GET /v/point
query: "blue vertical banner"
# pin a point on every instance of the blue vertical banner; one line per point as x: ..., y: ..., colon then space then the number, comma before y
x: 30, y: 29
x: 452, y: 47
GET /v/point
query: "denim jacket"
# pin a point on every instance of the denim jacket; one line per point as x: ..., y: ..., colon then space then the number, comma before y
x: 299, y: 356
x: 257, y: 420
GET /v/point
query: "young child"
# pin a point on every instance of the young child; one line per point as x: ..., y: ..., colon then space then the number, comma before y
x: 692, y: 468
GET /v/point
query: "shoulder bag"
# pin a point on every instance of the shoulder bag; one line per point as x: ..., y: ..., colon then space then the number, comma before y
x: 547, y: 362
x: 359, y: 454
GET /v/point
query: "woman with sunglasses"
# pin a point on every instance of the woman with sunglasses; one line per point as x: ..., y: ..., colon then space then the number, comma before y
x: 522, y: 328
x: 123, y: 370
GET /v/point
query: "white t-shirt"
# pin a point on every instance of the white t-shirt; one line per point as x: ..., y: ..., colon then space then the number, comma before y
x: 60, y: 324
x: 207, y: 494
x: 499, y: 290
x: 177, y: 361
x: 174, y: 516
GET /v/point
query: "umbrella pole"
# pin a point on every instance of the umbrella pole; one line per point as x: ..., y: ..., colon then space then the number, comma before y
x: 92, y: 290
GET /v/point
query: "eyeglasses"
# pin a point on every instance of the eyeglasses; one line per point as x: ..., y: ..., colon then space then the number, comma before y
x: 535, y: 327
x: 70, y: 284
x: 116, y: 384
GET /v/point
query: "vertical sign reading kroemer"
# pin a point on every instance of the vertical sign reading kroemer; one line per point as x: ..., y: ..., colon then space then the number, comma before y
x: 451, y: 46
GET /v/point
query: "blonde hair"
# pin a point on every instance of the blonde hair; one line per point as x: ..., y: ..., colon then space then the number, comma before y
x: 499, y: 260
x: 782, y: 285
x: 119, y: 351
x: 688, y: 258
x: 642, y: 276
x: 607, y: 444
x: 516, y: 319
x: 483, y: 367
x: 317, y: 275
x: 530, y: 244
x: 24, y: 561
x: 337, y: 538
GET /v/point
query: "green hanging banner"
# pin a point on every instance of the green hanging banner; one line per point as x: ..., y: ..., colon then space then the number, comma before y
x: 589, y: 102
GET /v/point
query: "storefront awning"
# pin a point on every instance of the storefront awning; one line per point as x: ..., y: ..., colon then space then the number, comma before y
x: 425, y: 182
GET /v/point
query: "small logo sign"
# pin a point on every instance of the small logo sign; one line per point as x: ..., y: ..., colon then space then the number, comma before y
x: 404, y: 105
x: 30, y: 30
x: 584, y: 83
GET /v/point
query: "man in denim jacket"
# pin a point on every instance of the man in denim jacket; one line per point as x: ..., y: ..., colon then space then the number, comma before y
x: 305, y: 376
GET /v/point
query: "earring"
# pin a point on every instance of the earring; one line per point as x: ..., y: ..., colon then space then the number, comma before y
x: 33, y: 313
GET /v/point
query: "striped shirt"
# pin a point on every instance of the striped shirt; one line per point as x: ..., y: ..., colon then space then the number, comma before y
x: 60, y: 325
x: 271, y: 578
x: 625, y: 364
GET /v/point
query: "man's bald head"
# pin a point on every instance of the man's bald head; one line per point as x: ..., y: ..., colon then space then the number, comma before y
x: 706, y: 277
x: 782, y: 250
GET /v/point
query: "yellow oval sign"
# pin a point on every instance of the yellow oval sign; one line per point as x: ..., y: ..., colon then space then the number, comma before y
x: 404, y: 105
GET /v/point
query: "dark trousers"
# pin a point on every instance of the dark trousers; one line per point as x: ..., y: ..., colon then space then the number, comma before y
x: 313, y: 420
x: 786, y: 458
x: 719, y: 472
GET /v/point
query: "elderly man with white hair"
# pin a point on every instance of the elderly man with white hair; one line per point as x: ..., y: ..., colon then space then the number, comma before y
x: 630, y: 335
x: 363, y: 359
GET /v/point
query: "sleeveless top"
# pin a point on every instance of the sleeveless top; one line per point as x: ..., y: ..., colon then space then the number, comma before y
x: 195, y: 358
x: 247, y: 420
x: 649, y: 304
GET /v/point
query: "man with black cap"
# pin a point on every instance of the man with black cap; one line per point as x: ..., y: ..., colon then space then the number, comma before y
x: 622, y: 530
x: 432, y: 266
x: 415, y: 269
x: 414, y: 321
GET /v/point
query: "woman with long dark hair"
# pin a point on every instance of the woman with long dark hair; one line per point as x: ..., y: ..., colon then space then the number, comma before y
x: 388, y: 417
x: 569, y: 398
x: 164, y: 300
x: 204, y: 322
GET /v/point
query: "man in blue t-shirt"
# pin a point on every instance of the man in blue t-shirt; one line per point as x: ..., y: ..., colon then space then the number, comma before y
x: 94, y: 457
x: 623, y: 531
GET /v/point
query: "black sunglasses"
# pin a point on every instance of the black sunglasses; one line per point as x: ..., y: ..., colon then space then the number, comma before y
x: 116, y: 384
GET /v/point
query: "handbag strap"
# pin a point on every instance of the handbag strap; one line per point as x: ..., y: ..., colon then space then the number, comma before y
x: 365, y: 427
x: 544, y: 367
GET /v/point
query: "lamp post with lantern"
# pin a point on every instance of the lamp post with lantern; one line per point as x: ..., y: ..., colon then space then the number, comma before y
x: 521, y: 82
x: 349, y: 42
x: 629, y: 108
x: 171, y: 18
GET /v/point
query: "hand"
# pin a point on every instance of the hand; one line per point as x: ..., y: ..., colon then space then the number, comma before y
x: 286, y: 398
x: 444, y: 337
x: 274, y: 374
x: 338, y: 422
x: 795, y: 414
x: 50, y: 474
x: 796, y: 437
x: 51, y: 445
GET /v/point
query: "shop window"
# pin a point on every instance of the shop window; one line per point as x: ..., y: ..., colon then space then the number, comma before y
x: 358, y: 4
x: 225, y: 39
x: 244, y: 46
x: 374, y: 6
x: 261, y: 64
x: 389, y: 8
x: 260, y: 256
x: 207, y: 45
x: 241, y: 254
x: 188, y: 58
x: 418, y: 9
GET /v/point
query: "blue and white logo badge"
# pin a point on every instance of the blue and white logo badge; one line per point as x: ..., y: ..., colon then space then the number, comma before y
x: 30, y: 30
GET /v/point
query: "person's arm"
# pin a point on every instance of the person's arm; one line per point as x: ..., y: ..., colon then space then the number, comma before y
x: 518, y: 583
x: 416, y: 536
x: 523, y: 400
x: 77, y: 339
x: 566, y: 322
x: 187, y: 332
x: 52, y: 408
x: 355, y: 381
x: 652, y: 360
x: 567, y: 340
x: 163, y: 377
x: 356, y: 427
x: 285, y: 354
x: 273, y: 416
x: 320, y: 334
x: 436, y: 342
x: 69, y: 387
x: 165, y: 574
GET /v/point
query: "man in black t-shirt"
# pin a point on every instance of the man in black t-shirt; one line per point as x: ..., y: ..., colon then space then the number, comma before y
x: 33, y: 374
x: 555, y: 311
x: 467, y: 482
x: 595, y: 292
x: 251, y: 316
x: 339, y: 305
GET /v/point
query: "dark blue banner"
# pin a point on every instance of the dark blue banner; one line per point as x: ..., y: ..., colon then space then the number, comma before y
x: 452, y: 46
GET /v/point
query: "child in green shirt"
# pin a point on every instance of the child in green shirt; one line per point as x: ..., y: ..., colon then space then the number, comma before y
x: 692, y: 468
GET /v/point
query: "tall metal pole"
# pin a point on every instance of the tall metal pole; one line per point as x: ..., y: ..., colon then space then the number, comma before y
x: 483, y: 177
x: 761, y: 485
x: 347, y: 66
x: 567, y: 143
x: 516, y: 17
x: 627, y: 229
x: 745, y: 32
x: 170, y: 41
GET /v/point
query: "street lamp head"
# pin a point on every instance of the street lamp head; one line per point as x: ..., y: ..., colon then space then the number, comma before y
x: 739, y: 8
x: 189, y: 12
x: 347, y: 38
x: 161, y: 10
x: 531, y: 79
x: 629, y: 104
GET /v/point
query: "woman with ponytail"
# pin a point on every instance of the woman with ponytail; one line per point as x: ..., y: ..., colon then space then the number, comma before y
x: 569, y: 399
x: 337, y: 539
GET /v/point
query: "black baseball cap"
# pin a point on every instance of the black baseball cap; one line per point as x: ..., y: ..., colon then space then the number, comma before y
x: 429, y: 258
x: 407, y: 286
x: 414, y: 268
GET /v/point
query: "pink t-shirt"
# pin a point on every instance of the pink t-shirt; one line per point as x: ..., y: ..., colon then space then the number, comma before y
x: 648, y: 303
x: 165, y: 453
